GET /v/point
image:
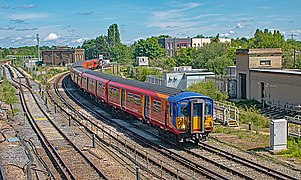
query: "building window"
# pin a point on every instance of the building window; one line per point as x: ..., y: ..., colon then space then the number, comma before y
x: 265, y: 62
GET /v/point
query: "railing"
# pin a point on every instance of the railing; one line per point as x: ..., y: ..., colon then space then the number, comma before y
x: 226, y: 113
x: 294, y: 123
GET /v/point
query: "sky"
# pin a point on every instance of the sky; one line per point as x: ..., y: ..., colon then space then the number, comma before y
x: 71, y: 22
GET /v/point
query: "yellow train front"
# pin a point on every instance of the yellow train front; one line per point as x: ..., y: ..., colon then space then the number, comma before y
x: 191, y: 115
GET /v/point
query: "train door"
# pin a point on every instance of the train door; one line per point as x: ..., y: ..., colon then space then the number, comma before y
x: 197, y: 115
x: 123, y: 99
x: 146, y: 108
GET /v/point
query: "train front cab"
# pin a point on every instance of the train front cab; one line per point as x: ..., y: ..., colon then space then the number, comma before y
x: 193, y: 118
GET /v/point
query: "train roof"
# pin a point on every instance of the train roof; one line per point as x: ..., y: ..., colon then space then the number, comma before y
x: 134, y: 83
x: 148, y: 86
x: 184, y: 95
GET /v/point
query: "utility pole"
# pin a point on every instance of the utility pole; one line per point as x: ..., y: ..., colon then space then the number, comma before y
x: 38, y: 41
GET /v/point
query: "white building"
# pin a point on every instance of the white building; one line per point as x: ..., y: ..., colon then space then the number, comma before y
x: 142, y: 61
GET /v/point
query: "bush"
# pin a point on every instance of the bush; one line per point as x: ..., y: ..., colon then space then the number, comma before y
x: 294, y: 148
x: 253, y: 115
x: 208, y: 89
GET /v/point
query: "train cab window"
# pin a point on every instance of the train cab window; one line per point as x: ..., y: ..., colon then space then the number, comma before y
x: 207, y: 109
x: 184, y: 110
x: 197, y: 109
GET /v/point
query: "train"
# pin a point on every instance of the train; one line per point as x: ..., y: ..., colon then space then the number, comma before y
x: 187, y: 116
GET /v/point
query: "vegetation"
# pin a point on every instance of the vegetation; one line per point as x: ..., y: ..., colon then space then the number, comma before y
x: 252, y: 115
x: 8, y: 95
x: 293, y: 148
x: 209, y: 89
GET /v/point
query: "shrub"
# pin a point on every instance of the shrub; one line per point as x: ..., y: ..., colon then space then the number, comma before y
x: 294, y: 148
x: 253, y: 115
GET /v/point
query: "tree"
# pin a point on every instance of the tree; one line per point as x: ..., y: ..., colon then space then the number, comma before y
x: 186, y: 56
x: 120, y: 53
x: 142, y: 72
x: 218, y: 64
x: 149, y: 48
x: 208, y: 89
x: 113, y: 35
x: 209, y: 52
x: 91, y: 49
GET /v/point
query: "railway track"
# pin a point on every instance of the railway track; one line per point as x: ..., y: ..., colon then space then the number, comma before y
x: 234, y: 164
x: 166, y: 161
x: 70, y: 161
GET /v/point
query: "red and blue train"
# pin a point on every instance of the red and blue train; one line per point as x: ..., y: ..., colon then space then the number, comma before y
x: 187, y: 115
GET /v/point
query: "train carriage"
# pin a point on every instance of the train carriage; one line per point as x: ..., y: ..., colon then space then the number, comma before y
x: 184, y: 114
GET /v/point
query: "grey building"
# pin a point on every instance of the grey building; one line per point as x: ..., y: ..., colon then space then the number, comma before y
x: 260, y: 76
x: 174, y: 45
x: 180, y: 80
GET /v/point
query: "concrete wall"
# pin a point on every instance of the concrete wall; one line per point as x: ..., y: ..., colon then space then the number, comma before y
x: 276, y: 62
x: 282, y: 87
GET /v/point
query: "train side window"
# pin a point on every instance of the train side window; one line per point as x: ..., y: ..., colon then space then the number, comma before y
x: 111, y: 91
x: 137, y: 100
x: 157, y: 106
x: 130, y: 97
x: 101, y: 87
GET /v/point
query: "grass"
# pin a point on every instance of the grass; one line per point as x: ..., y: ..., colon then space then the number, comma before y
x: 293, y: 148
x: 241, y: 134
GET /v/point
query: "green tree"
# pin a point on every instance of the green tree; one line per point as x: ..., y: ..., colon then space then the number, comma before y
x: 218, y: 64
x: 209, y: 89
x: 142, y: 72
x: 149, y: 48
x: 120, y: 53
x: 91, y: 49
x: 186, y: 56
x: 113, y: 35
x: 209, y: 53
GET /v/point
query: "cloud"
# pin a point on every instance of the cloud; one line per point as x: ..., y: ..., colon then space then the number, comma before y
x: 6, y: 6
x: 19, y: 38
x: 183, y: 33
x: 265, y: 7
x: 239, y: 26
x: 17, y: 21
x: 29, y: 36
x: 26, y: 6
x: 80, y: 40
x: 51, y: 37
x: 2, y: 37
x: 174, y: 18
x: 26, y: 29
x: 7, y: 28
x: 84, y: 13
x: 231, y: 32
x: 23, y: 16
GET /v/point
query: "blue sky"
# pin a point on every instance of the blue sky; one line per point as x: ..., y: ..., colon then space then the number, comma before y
x: 70, y: 22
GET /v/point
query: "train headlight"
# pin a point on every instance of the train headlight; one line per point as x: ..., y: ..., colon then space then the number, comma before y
x: 209, y: 123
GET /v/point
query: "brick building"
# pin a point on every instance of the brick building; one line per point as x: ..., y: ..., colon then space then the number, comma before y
x: 63, y: 55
